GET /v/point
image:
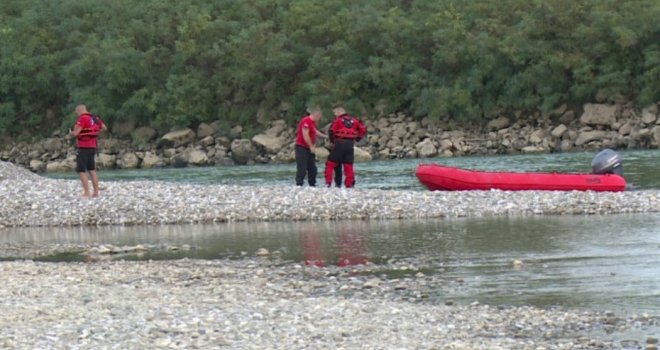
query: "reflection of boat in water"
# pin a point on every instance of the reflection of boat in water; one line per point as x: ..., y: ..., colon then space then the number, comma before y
x: 606, y: 176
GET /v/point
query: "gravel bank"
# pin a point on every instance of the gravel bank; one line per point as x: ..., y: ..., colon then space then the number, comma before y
x: 254, y: 304
x: 31, y: 200
x: 261, y: 304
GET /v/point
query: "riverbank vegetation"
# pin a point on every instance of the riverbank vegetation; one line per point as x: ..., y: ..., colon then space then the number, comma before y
x: 172, y: 64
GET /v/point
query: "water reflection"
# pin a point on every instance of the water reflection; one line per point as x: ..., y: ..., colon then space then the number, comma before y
x: 349, y: 246
x: 591, y: 261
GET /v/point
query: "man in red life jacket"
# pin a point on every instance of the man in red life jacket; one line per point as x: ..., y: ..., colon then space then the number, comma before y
x: 86, y: 131
x: 306, y: 147
x: 344, y: 132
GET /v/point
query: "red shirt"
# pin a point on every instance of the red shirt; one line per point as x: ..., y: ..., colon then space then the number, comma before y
x: 89, y: 130
x: 306, y: 122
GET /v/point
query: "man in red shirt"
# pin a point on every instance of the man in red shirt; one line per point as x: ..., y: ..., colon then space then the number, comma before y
x: 86, y: 131
x: 344, y: 132
x: 306, y: 147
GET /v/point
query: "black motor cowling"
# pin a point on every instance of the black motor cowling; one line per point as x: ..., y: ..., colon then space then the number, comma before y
x: 607, y: 162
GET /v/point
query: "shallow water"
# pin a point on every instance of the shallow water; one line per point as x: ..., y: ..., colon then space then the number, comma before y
x: 602, y: 262
x: 640, y: 170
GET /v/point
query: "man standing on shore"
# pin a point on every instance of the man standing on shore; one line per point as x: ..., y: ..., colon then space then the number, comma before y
x: 86, y: 131
x: 344, y: 132
x: 306, y: 147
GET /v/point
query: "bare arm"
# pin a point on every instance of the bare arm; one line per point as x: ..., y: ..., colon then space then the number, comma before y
x: 76, y: 130
x: 321, y: 134
x: 308, y: 140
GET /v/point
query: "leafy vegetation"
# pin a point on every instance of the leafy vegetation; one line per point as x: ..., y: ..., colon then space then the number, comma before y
x: 171, y: 64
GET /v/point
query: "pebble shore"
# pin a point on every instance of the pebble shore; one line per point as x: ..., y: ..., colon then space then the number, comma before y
x: 258, y: 303
x: 32, y: 200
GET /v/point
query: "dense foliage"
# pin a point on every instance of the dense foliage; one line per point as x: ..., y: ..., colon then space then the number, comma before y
x: 178, y: 63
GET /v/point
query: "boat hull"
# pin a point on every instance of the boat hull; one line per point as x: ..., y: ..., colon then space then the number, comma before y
x: 442, y: 178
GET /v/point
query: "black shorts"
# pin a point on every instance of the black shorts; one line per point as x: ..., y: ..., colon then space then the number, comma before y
x: 85, y: 160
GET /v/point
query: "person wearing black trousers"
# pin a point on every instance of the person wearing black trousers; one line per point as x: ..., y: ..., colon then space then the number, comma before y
x: 306, y: 147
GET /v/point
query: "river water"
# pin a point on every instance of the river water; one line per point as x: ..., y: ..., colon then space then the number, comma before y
x: 602, y: 262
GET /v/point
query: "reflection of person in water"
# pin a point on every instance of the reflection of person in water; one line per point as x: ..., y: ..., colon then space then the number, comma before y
x: 351, y: 248
x: 312, y: 250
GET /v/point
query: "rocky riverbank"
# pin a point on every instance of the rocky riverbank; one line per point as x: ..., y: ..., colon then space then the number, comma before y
x: 263, y: 303
x: 33, y: 200
x: 616, y: 125
x: 258, y: 304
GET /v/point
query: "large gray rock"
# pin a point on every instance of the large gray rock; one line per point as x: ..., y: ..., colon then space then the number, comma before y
x: 650, y: 114
x: 110, y: 145
x: 128, y: 160
x: 37, y: 165
x: 321, y: 154
x: 559, y: 131
x: 399, y: 130
x: 568, y: 117
x: 384, y: 153
x: 151, y: 160
x: 55, y: 167
x: 498, y: 123
x: 445, y: 144
x: 533, y: 149
x: 626, y: 128
x: 537, y: 136
x: 242, y: 151
x: 207, y: 141
x: 566, y: 146
x: 68, y: 164
x: 177, y: 138
x: 426, y: 149
x: 180, y: 160
x: 588, y: 136
x: 197, y: 158
x: 656, y: 135
x: 413, y: 127
x: 276, y: 129
x: 205, y: 130
x: 286, y: 155
x: 599, y: 114
x: 52, y: 144
x: 361, y: 155
x: 106, y: 161
x: 221, y: 159
x: 272, y: 144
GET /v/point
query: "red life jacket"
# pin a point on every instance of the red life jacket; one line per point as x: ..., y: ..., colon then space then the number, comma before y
x: 93, y: 131
x: 345, y: 127
x: 91, y: 126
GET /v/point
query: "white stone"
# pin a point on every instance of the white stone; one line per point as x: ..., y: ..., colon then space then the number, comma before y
x: 599, y: 114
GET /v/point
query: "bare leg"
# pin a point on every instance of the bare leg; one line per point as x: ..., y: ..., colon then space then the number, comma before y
x: 95, y: 182
x: 85, y: 184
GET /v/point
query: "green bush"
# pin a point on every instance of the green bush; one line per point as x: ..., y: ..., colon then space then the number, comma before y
x: 172, y: 64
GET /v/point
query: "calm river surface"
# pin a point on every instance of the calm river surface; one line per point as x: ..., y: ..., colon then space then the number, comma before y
x: 601, y: 262
x: 640, y: 169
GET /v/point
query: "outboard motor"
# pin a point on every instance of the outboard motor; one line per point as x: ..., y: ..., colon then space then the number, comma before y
x: 607, y: 162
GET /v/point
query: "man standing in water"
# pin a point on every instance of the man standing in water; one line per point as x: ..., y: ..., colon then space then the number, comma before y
x: 306, y: 147
x: 86, y: 131
x: 344, y: 132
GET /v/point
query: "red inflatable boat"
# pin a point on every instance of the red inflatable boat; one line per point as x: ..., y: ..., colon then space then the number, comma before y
x: 439, y: 177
